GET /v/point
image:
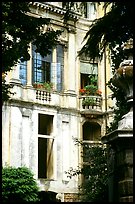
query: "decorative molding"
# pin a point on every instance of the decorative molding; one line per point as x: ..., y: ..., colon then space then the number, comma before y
x: 26, y: 113
x: 55, y: 9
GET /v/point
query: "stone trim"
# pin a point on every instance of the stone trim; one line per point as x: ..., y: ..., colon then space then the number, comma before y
x: 71, y: 197
x: 54, y: 9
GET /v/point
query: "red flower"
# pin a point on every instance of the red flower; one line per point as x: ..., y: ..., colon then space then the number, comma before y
x: 99, y: 92
x: 82, y: 91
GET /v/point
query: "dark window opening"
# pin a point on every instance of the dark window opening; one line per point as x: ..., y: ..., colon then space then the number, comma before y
x: 86, y: 80
x: 42, y: 158
x: 45, y: 124
x: 91, y: 134
x: 45, y: 158
x: 91, y: 131
x: 45, y: 146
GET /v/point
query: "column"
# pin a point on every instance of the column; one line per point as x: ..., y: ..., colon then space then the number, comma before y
x: 65, y: 74
x: 54, y: 69
x: 29, y: 68
x: 15, y: 74
x: 71, y: 62
x: 120, y: 179
x: 121, y: 144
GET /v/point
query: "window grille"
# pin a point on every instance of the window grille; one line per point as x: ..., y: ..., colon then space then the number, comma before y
x: 41, y: 67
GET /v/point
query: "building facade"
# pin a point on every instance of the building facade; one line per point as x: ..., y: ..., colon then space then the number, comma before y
x: 49, y: 109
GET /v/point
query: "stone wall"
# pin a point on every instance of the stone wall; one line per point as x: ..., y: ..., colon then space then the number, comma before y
x: 71, y: 197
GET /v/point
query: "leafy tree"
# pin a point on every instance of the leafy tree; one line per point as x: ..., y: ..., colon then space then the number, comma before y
x: 110, y: 32
x: 122, y: 107
x: 18, y: 30
x: 94, y: 187
x: 18, y: 185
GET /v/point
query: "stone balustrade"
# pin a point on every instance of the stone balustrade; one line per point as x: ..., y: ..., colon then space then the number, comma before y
x: 91, y: 103
x: 53, y: 98
x: 43, y: 97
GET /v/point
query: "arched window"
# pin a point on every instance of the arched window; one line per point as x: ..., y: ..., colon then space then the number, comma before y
x: 91, y: 131
x: 91, y: 137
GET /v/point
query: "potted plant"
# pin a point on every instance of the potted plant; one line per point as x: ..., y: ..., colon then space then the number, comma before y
x: 88, y: 102
x: 91, y: 89
x: 48, y: 86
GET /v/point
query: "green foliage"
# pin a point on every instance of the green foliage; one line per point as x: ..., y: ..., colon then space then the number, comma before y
x: 18, y: 184
x: 94, y: 187
x: 122, y: 107
x: 5, y: 90
x: 48, y: 86
x: 18, y: 30
x: 113, y: 29
x: 88, y: 101
x: 91, y: 89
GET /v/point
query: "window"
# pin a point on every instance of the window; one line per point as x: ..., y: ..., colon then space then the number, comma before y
x: 45, y: 146
x: 45, y: 70
x: 90, y: 10
x: 91, y: 131
x: 41, y: 67
x: 86, y: 71
x: 60, y: 66
x: 23, y: 72
x: 91, y: 136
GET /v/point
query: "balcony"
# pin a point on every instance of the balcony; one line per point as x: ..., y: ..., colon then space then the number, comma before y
x: 91, y: 105
x: 43, y: 97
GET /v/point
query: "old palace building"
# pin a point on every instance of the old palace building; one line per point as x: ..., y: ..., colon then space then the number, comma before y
x: 51, y: 107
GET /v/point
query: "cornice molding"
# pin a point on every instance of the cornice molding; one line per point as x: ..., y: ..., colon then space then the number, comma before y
x: 54, y: 9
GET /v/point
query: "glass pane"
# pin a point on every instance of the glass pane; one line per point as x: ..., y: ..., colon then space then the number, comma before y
x: 41, y: 67
x: 60, y: 66
x: 23, y: 72
x: 88, y: 68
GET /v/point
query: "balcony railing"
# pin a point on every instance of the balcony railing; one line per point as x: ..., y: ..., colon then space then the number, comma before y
x: 43, y: 95
x: 91, y: 103
x: 86, y: 105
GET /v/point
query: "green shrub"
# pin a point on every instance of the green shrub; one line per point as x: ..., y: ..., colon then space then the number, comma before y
x: 88, y: 102
x: 94, y: 186
x: 18, y: 184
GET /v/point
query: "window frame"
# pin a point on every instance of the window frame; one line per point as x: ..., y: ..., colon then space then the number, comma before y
x: 49, y: 138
